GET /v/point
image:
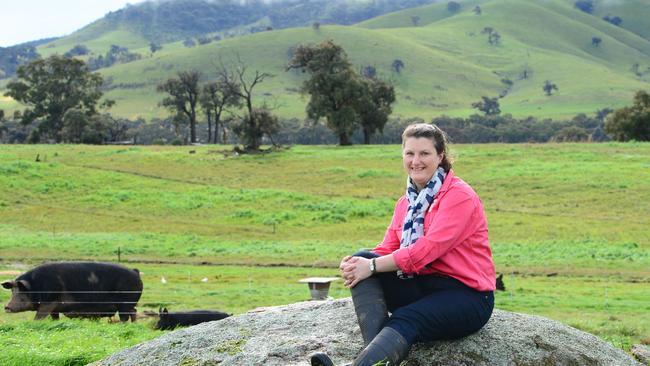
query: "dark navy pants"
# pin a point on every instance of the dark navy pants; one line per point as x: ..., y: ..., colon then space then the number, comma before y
x: 431, y: 307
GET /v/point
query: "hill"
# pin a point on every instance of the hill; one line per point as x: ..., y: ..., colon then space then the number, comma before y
x: 172, y: 20
x: 449, y: 61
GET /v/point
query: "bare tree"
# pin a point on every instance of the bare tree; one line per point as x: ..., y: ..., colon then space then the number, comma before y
x: 240, y: 85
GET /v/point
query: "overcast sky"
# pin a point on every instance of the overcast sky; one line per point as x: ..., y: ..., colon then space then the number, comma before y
x: 29, y: 20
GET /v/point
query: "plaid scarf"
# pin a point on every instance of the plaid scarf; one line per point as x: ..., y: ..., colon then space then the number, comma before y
x: 419, y: 203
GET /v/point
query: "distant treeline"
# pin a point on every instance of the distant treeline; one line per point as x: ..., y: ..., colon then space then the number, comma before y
x: 474, y: 129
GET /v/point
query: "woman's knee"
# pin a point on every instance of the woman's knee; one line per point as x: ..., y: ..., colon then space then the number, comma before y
x: 366, y: 254
x: 442, y: 316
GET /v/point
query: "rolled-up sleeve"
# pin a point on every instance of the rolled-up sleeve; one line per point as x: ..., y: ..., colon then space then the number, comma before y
x: 448, y: 228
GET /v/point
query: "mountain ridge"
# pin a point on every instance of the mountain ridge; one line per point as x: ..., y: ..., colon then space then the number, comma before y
x: 449, y: 62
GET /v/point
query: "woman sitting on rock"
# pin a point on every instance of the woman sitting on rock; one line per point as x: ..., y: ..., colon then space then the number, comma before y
x: 433, y: 271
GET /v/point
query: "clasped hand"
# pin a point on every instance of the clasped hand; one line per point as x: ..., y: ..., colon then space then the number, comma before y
x: 354, y: 269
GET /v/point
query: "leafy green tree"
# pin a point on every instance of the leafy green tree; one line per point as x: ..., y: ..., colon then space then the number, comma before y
x: 50, y: 87
x: 78, y: 50
x: 11, y: 58
x: 549, y: 87
x: 115, y: 54
x: 265, y: 123
x: 631, y: 123
x: 74, y: 125
x: 183, y: 97
x: 375, y: 107
x: 204, y: 40
x: 215, y: 97
x: 453, y: 6
x: 334, y: 88
x: 601, y: 114
x: 571, y: 134
x: 477, y: 10
x: 80, y: 128
x: 397, y: 65
x: 493, y: 36
x: 489, y: 106
x: 369, y: 72
x: 616, y: 20
x: 595, y: 41
x: 585, y: 5
x: 154, y: 46
x: 415, y: 19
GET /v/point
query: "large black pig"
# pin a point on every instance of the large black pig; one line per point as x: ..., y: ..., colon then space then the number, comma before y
x: 183, y: 319
x: 76, y: 289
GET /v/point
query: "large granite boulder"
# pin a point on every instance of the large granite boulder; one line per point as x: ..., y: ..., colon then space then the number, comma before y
x: 287, y: 335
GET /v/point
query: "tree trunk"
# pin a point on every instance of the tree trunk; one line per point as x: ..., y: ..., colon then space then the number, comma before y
x: 216, y: 131
x: 366, y: 137
x: 344, y: 139
x: 254, y: 143
x: 193, y: 127
x: 209, y: 115
x: 217, y: 120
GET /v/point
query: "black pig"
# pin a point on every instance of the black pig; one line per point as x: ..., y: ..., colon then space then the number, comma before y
x: 76, y: 289
x: 183, y: 319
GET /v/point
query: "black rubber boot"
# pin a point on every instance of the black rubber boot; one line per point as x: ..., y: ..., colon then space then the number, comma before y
x: 388, y: 348
x: 321, y: 359
x: 370, y: 307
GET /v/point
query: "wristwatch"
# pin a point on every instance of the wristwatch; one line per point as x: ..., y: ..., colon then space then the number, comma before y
x: 373, y: 266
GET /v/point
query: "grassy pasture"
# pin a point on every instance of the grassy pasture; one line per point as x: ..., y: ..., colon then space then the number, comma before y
x: 568, y: 227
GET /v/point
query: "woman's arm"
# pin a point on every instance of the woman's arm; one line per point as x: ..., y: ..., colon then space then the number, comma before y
x: 452, y: 224
x: 356, y: 269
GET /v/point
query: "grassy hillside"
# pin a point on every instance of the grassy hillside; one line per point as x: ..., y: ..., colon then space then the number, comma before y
x: 567, y: 227
x: 449, y: 63
x: 633, y: 12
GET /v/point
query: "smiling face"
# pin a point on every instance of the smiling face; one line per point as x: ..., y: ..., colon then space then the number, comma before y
x: 420, y: 160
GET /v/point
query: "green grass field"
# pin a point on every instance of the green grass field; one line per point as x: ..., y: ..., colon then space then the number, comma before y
x: 568, y: 227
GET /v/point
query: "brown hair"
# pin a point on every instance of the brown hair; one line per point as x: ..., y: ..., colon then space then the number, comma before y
x: 433, y: 133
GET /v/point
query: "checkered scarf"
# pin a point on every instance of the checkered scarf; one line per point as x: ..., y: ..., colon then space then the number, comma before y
x: 419, y: 203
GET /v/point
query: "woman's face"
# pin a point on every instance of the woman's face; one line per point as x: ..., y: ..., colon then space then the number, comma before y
x: 420, y: 159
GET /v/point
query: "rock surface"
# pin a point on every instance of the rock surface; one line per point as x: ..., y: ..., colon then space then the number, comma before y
x: 287, y: 335
x: 642, y: 353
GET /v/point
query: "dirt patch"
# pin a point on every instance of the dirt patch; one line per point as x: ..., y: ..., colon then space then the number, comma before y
x: 10, y: 273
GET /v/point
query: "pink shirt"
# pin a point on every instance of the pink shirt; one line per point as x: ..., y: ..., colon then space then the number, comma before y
x: 455, y: 241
